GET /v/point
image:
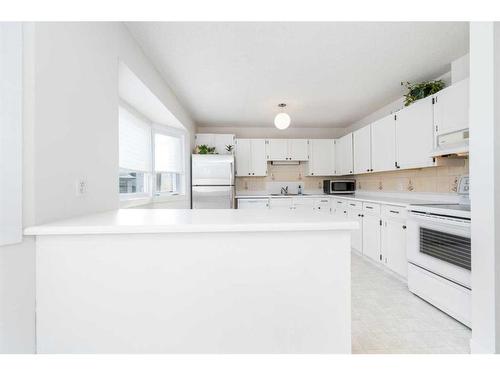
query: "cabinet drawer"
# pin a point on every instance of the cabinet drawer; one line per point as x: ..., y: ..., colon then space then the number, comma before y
x: 354, y: 205
x: 394, y: 212
x: 371, y: 208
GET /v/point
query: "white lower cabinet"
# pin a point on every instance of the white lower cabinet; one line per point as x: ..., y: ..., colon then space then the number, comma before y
x: 394, y: 246
x: 281, y: 203
x: 253, y: 203
x: 339, y: 207
x: 303, y: 204
x: 354, y: 213
x: 371, y: 231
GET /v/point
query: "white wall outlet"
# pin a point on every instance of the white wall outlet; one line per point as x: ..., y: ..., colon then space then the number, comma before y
x: 81, y: 187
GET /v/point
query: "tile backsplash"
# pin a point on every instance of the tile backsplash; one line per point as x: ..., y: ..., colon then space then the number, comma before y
x: 440, y: 179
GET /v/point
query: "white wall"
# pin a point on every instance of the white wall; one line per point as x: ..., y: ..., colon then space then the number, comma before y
x: 70, y: 131
x: 485, y: 185
x: 272, y: 132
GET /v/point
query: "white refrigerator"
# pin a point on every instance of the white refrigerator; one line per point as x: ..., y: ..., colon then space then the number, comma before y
x: 212, y: 181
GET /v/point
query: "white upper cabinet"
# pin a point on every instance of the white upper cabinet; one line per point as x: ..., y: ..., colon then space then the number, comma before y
x: 451, y: 108
x: 384, y: 144
x: 321, y: 157
x: 343, y: 155
x: 250, y: 157
x: 287, y: 149
x: 298, y: 149
x: 219, y: 141
x: 277, y: 149
x: 259, y: 157
x: 362, y: 150
x: 414, y: 135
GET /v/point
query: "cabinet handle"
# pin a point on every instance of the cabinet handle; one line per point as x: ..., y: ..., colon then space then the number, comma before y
x: 350, y: 171
x: 368, y: 170
x: 404, y: 226
x: 394, y: 212
x: 249, y: 174
x: 352, y: 204
x: 371, y: 208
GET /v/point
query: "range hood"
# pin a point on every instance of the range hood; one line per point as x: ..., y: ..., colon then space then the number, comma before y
x: 455, y: 143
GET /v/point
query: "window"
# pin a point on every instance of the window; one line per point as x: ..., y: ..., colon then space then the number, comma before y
x: 151, y: 158
x: 168, y: 163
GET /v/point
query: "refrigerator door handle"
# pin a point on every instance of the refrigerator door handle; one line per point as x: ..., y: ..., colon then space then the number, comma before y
x: 231, y: 173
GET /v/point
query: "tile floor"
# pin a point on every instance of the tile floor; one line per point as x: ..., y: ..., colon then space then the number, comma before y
x: 387, y: 318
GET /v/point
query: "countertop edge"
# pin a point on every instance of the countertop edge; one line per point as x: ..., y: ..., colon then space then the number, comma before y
x: 204, y: 228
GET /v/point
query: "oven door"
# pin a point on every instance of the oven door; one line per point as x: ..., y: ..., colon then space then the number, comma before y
x: 440, y: 245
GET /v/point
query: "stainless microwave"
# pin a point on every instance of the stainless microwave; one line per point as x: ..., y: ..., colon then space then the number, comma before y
x: 339, y: 186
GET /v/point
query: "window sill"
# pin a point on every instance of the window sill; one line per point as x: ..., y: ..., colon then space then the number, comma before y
x: 130, y: 202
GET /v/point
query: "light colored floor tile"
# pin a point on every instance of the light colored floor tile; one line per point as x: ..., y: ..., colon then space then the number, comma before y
x: 388, y: 319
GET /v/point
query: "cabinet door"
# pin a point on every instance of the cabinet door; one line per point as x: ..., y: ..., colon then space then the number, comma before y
x: 339, y: 207
x: 371, y: 236
x: 384, y: 144
x: 451, y: 108
x: 277, y: 149
x: 356, y: 235
x: 394, y: 246
x: 321, y: 157
x: 362, y: 150
x: 259, y: 159
x: 243, y: 157
x: 298, y: 150
x: 343, y: 155
x: 204, y: 139
x: 221, y: 141
x: 282, y: 204
x: 414, y: 135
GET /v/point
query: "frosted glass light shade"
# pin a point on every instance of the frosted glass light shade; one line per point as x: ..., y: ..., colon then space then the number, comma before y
x: 282, y: 120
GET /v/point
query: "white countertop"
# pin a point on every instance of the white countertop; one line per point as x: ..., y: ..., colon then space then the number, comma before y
x: 191, y: 221
x: 363, y: 197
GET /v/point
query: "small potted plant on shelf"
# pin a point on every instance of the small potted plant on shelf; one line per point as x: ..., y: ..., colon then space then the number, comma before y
x: 421, y: 90
x: 204, y: 149
x: 229, y: 148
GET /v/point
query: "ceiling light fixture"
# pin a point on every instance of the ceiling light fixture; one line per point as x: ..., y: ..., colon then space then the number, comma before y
x: 282, y: 119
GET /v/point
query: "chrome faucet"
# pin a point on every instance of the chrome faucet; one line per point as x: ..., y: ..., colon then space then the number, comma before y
x: 284, y: 190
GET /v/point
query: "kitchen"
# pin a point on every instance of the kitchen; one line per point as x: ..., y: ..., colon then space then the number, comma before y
x: 203, y: 183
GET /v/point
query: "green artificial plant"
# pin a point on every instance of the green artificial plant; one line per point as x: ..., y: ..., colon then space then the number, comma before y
x: 421, y: 90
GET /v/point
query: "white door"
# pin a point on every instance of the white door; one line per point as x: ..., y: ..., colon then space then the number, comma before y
x: 243, y: 157
x: 259, y: 158
x: 451, y: 108
x: 362, y: 150
x: 343, y: 155
x: 204, y: 139
x: 371, y: 236
x: 277, y: 149
x: 221, y: 141
x: 253, y: 204
x: 384, y: 144
x: 298, y: 150
x: 356, y: 235
x: 321, y: 157
x: 414, y: 135
x: 394, y: 246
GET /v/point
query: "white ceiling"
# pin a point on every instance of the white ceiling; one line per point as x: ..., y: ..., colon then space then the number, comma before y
x: 329, y: 74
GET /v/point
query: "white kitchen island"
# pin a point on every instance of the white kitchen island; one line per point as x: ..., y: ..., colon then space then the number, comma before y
x: 194, y: 281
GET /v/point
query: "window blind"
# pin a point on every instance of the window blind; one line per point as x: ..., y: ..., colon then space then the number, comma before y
x: 135, y: 142
x: 168, y: 154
